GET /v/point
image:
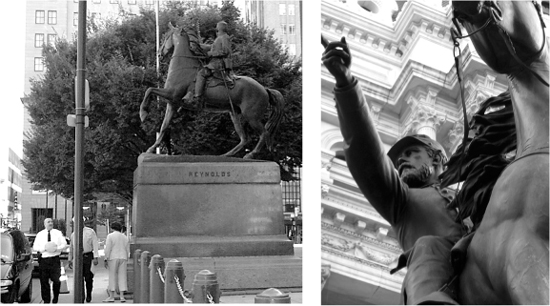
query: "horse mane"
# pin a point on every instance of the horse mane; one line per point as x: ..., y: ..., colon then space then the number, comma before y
x: 485, y: 157
x: 195, y: 45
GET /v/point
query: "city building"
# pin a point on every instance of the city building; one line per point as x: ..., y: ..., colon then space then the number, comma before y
x: 10, y: 189
x: 403, y: 58
x: 284, y: 17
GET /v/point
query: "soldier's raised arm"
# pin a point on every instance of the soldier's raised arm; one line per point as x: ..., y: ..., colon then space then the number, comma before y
x: 367, y: 161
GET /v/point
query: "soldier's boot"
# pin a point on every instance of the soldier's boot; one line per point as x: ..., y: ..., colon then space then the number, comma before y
x: 196, y: 102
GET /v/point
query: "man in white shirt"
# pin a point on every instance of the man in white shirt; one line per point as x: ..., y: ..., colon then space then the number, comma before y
x: 49, y: 243
x: 90, y: 254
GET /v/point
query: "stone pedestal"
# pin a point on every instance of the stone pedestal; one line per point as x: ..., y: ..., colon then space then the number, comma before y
x: 216, y: 213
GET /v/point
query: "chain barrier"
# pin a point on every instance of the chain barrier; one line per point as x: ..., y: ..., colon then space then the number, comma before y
x: 180, y: 290
x: 206, y: 292
x: 160, y: 275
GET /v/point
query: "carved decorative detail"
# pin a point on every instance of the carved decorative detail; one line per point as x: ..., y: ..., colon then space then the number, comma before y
x: 324, y: 190
x: 325, y: 274
x: 358, y: 249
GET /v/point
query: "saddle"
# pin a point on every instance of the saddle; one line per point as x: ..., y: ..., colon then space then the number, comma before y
x: 217, y: 79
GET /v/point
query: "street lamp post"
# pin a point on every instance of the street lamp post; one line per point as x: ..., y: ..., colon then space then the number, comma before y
x: 79, y: 150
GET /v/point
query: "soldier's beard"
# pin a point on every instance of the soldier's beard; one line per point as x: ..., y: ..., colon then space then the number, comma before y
x: 417, y: 178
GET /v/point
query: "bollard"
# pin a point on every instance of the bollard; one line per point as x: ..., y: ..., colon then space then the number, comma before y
x: 137, y: 275
x: 272, y: 296
x: 156, y: 280
x: 173, y: 282
x: 206, y: 288
x: 144, y: 282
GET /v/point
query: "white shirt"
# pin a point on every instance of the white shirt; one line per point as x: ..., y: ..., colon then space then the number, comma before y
x: 42, y: 238
x: 117, y: 246
x: 89, y: 243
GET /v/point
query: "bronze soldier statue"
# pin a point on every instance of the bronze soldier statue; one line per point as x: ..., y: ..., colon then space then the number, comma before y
x: 410, y: 199
x: 220, y: 53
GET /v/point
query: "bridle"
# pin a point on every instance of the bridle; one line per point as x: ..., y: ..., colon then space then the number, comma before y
x: 494, y: 19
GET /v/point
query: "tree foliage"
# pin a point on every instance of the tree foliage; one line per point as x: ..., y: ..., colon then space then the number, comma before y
x: 120, y: 66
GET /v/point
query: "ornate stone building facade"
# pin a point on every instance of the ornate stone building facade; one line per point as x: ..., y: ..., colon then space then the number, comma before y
x: 403, y: 58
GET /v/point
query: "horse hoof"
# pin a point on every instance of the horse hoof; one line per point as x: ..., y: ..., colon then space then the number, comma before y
x: 249, y: 156
x: 150, y: 150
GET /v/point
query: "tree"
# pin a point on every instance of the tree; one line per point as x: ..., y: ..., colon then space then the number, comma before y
x: 120, y: 66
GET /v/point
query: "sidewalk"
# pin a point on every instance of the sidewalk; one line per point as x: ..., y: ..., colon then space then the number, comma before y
x: 101, y: 282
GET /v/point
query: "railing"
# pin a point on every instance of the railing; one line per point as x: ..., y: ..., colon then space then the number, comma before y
x: 157, y: 282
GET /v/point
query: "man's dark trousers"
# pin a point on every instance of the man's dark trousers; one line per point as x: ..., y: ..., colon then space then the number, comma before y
x: 50, y: 269
x: 88, y: 275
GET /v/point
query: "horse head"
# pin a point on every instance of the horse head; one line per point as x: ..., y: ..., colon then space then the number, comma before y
x: 503, y: 32
x: 175, y: 37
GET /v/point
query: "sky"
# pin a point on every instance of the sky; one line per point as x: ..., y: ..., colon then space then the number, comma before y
x: 12, y: 78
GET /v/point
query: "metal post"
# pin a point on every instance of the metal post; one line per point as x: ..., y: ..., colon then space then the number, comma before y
x: 206, y: 289
x: 144, y: 283
x: 156, y: 277
x: 137, y: 275
x: 79, y: 152
x: 173, y: 282
x: 272, y: 296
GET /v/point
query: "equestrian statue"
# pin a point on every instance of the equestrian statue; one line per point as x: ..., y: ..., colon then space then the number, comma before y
x: 194, y: 85
x: 506, y: 258
x: 488, y: 243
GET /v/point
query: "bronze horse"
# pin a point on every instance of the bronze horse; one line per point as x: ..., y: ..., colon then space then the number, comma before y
x: 247, y: 101
x: 507, y: 260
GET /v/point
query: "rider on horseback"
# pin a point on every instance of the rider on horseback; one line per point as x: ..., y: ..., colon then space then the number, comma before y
x: 410, y: 199
x: 220, y: 52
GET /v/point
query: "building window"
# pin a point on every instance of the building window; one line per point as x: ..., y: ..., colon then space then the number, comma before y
x: 291, y: 29
x: 96, y: 16
x: 292, y: 49
x: 131, y: 2
x: 38, y: 64
x: 38, y: 40
x: 291, y: 9
x: 283, y: 28
x: 282, y: 9
x: 75, y: 18
x: 51, y: 39
x: 52, y: 17
x: 39, y: 16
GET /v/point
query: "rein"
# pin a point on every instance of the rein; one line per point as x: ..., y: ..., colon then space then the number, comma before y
x: 456, y: 34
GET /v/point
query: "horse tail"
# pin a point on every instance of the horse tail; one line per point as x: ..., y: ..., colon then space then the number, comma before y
x: 277, y: 101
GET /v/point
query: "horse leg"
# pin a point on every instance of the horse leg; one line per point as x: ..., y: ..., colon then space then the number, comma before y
x: 144, y: 107
x: 236, y: 118
x: 165, y: 123
x: 260, y: 129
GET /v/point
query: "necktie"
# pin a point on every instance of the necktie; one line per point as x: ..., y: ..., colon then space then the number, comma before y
x: 49, y: 236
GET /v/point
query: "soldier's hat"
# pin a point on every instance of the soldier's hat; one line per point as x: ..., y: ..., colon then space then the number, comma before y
x: 413, y: 140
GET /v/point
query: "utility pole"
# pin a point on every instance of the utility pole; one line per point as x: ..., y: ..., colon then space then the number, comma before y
x: 79, y: 150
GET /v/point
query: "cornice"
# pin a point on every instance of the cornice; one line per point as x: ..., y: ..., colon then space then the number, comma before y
x: 387, y: 42
x: 361, y: 238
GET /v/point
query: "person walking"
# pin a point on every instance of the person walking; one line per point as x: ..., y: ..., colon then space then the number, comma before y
x: 90, y: 255
x: 117, y: 250
x: 49, y: 243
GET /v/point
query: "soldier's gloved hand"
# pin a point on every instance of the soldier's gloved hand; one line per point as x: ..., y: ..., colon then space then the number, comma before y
x: 337, y: 59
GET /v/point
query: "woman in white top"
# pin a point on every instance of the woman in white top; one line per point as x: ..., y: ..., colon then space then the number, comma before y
x: 117, y: 250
